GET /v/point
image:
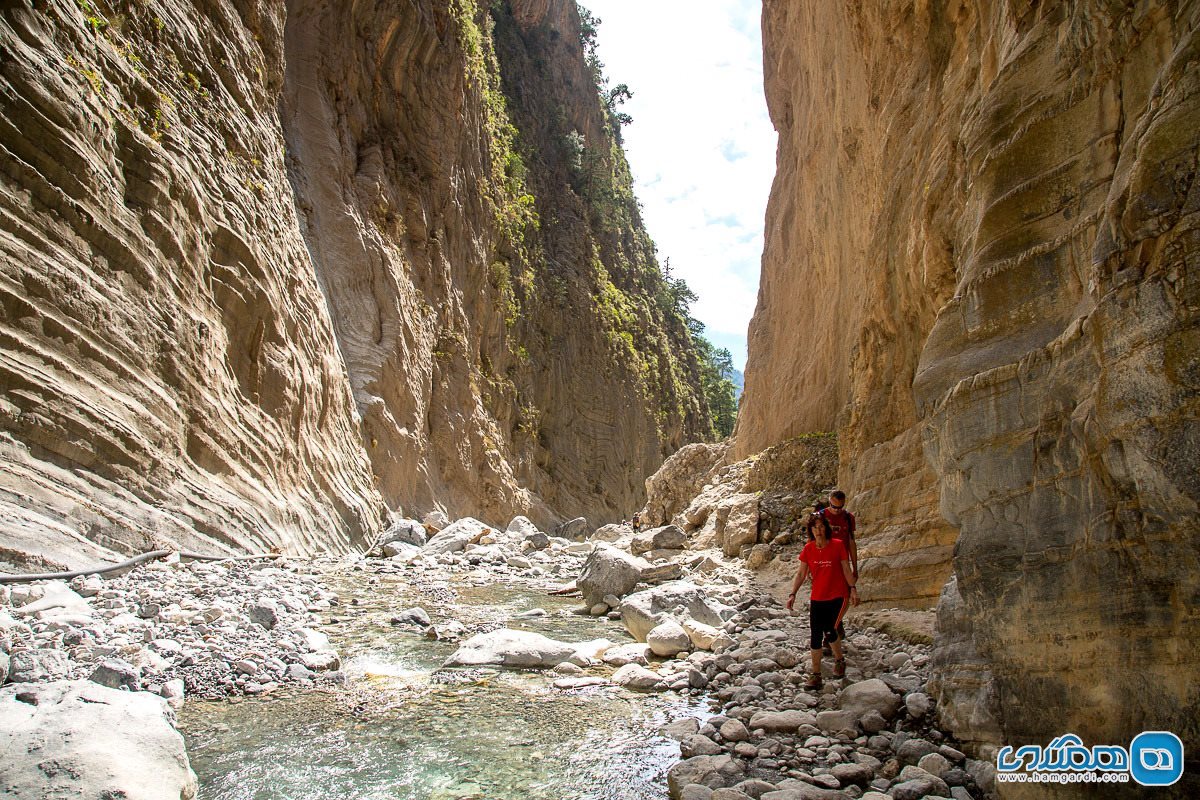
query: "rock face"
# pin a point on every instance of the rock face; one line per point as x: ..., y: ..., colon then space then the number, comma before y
x: 141, y: 756
x: 257, y: 294
x: 994, y: 207
x: 679, y: 479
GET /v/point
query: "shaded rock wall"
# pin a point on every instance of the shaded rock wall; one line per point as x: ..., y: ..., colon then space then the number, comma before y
x: 271, y: 270
x: 995, y: 205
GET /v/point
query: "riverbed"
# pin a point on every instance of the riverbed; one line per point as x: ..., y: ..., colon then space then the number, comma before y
x: 402, y: 727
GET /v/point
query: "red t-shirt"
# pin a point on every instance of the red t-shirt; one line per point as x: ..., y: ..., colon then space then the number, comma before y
x: 841, y: 524
x: 825, y: 564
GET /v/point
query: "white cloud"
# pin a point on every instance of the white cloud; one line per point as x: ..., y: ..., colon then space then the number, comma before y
x: 701, y: 145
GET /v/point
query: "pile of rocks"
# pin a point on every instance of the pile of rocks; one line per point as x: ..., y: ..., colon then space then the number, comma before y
x: 520, y: 551
x: 207, y: 629
x: 872, y: 735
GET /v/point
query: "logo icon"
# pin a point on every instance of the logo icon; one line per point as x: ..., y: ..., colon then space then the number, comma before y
x: 1156, y: 758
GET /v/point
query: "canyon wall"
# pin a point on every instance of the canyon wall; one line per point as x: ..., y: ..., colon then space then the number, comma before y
x: 989, y: 216
x: 271, y: 271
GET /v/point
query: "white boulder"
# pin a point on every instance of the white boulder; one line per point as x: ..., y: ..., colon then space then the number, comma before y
x: 608, y: 571
x: 516, y: 649
x: 679, y: 600
x: 668, y: 638
x: 870, y: 695
x: 456, y: 536
x: 101, y: 742
x: 637, y: 678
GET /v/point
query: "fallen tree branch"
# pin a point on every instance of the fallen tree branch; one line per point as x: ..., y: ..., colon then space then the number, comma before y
x: 124, y: 565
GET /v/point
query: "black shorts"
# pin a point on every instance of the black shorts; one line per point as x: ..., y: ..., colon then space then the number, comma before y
x: 823, y: 620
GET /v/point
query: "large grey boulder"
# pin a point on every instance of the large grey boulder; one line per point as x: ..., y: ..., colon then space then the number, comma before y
x: 37, y: 666
x: 406, y: 531
x: 91, y: 742
x: 576, y: 529
x: 679, y: 600
x: 515, y: 649
x: 870, y: 695
x: 609, y: 571
x: 116, y: 673
x: 715, y: 772
x: 521, y: 528
x: 668, y: 537
x: 456, y: 536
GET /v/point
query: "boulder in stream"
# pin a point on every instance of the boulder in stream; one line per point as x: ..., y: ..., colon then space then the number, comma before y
x: 609, y: 571
x: 456, y: 537
x: 405, y: 531
x: 678, y: 600
x: 516, y: 649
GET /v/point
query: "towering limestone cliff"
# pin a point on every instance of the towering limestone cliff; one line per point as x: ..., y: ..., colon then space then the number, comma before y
x: 270, y: 270
x: 981, y: 268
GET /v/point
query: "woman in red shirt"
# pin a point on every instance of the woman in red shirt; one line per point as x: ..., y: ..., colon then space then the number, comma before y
x: 833, y: 588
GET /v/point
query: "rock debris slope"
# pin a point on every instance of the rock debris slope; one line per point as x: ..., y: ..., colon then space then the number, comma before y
x: 272, y: 269
x: 993, y: 209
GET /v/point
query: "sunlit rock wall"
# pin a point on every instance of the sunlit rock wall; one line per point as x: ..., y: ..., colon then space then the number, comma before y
x: 984, y: 238
x: 272, y: 271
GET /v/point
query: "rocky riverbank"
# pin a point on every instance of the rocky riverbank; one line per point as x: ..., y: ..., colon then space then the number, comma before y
x: 685, y: 621
x: 872, y: 735
x: 204, y: 629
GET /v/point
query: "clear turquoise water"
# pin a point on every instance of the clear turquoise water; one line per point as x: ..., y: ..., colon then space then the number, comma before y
x: 405, y: 730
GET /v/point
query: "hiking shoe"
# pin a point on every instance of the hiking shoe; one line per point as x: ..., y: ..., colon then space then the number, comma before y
x: 813, y: 682
x: 839, y: 668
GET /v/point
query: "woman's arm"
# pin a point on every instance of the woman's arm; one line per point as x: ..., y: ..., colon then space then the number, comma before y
x: 801, y: 576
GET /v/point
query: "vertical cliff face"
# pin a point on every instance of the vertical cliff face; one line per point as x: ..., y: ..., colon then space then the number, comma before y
x: 857, y: 263
x: 271, y: 270
x: 992, y: 208
x: 168, y: 371
x: 469, y: 213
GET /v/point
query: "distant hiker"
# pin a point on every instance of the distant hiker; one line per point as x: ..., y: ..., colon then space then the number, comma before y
x: 842, y: 526
x: 636, y: 522
x: 833, y: 591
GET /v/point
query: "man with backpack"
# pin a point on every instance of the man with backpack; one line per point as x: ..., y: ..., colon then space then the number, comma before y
x: 842, y: 526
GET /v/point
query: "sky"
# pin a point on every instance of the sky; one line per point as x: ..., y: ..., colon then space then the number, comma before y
x: 701, y: 145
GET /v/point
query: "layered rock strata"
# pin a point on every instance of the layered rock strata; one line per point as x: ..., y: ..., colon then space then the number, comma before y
x: 271, y: 270
x: 994, y: 208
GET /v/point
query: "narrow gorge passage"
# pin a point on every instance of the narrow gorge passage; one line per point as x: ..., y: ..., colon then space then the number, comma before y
x: 358, y: 439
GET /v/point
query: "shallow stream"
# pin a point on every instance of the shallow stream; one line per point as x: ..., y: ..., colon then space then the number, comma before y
x: 405, y: 730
